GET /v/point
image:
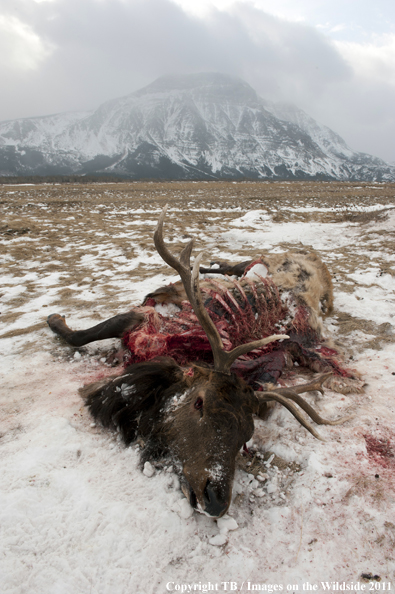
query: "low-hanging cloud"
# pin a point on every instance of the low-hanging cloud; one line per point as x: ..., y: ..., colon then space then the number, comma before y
x: 84, y: 52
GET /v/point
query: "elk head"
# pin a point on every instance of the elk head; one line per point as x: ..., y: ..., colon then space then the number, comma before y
x: 205, y: 431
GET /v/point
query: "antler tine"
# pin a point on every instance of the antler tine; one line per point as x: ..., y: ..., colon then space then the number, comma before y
x: 315, y: 385
x: 222, y: 359
x: 313, y: 414
x: 242, y: 349
x: 268, y: 396
x: 283, y: 395
x: 185, y: 256
x: 181, y: 266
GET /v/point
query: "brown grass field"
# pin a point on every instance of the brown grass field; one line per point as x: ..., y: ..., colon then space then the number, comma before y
x: 62, y: 229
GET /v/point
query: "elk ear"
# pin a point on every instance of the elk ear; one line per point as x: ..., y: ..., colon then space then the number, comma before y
x: 133, y: 400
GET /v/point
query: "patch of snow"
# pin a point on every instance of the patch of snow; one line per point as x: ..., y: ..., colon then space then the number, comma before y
x: 166, y: 309
x: 148, y: 469
x: 253, y: 218
x: 218, y: 540
x: 259, y: 270
x: 226, y: 523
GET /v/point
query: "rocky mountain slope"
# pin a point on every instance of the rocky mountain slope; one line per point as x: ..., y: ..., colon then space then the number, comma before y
x: 185, y: 127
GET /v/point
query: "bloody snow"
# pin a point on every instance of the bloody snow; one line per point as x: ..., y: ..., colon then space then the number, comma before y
x: 76, y: 512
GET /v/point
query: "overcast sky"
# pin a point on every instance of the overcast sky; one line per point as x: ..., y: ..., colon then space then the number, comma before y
x: 333, y: 58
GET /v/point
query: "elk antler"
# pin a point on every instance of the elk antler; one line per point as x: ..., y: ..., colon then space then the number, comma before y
x: 284, y: 395
x: 222, y: 359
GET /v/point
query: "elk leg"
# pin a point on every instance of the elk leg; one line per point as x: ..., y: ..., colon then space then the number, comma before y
x: 113, y: 328
x: 306, y: 357
x: 225, y: 268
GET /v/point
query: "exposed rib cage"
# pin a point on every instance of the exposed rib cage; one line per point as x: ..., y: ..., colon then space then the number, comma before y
x: 242, y: 311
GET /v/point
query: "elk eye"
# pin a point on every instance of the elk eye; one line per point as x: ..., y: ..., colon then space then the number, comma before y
x: 199, y: 404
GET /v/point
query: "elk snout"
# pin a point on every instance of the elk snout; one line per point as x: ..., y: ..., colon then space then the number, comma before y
x: 209, y: 498
x: 215, y: 503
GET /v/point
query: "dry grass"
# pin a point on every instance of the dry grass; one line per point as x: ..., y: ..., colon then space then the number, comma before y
x: 72, y: 236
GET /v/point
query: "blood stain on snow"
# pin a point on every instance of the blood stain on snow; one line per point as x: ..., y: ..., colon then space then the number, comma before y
x: 380, y: 450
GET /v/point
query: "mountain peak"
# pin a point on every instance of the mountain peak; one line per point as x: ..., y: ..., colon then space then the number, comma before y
x: 208, y: 82
x: 207, y: 125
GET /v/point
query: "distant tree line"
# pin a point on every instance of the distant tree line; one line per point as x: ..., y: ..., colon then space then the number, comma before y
x: 59, y: 179
x: 92, y: 178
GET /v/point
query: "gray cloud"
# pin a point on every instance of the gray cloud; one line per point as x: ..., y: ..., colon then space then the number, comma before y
x: 90, y: 51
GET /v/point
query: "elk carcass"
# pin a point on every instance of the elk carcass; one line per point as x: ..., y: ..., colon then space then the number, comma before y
x: 193, y: 380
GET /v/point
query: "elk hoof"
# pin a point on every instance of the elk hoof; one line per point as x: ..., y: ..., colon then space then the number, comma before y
x: 53, y: 318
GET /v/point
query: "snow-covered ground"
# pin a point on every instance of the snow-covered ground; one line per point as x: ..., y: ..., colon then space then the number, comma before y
x: 76, y: 512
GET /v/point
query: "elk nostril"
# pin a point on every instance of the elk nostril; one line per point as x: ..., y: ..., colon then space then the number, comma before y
x: 215, y: 504
x: 189, y: 494
x: 206, y: 492
x: 192, y: 499
x: 199, y: 404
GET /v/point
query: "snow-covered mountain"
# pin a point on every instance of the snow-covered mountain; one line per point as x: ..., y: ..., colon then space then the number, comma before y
x: 196, y: 126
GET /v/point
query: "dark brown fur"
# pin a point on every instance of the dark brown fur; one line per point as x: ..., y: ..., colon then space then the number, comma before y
x: 201, y: 421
